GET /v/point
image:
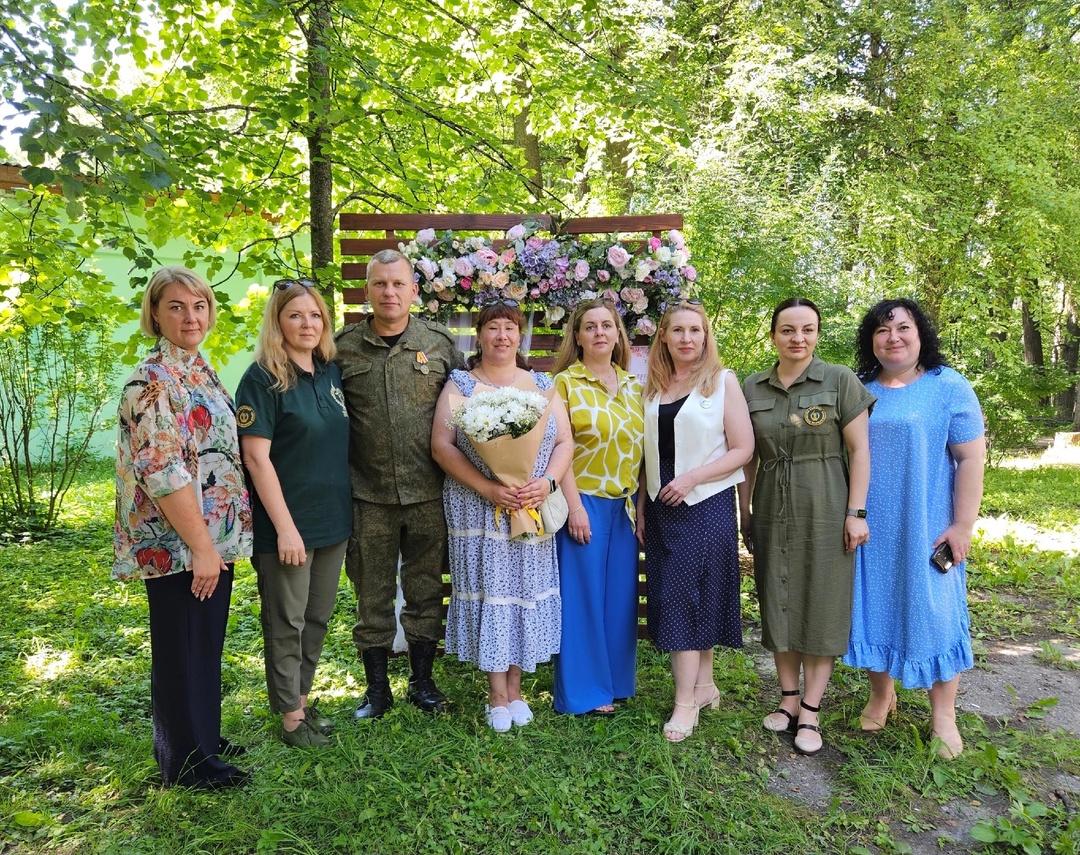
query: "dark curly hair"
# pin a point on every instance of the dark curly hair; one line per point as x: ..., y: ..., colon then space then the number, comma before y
x: 867, y: 365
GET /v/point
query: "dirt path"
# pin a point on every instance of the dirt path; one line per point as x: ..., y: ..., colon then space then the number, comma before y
x: 1006, y: 687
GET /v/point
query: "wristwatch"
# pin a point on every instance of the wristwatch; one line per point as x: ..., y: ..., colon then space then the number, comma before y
x: 857, y: 512
x: 551, y: 481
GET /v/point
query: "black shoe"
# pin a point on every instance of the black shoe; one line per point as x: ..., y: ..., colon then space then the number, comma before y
x: 425, y: 696
x: 232, y: 781
x: 422, y: 692
x: 230, y: 749
x: 377, y: 701
x: 318, y: 721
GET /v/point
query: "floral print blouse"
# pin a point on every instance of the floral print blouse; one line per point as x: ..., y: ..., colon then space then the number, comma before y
x: 176, y: 426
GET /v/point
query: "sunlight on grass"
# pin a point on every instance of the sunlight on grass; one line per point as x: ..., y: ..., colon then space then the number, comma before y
x: 48, y: 664
x: 77, y: 772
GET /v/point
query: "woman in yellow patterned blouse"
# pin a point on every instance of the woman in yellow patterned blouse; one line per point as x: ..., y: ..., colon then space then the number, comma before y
x: 598, y: 551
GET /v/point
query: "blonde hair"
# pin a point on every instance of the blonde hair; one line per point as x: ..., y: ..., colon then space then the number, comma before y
x: 570, y: 351
x: 661, y: 367
x: 270, y: 348
x: 173, y: 275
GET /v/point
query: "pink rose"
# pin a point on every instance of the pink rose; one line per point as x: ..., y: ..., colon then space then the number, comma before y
x: 581, y: 270
x: 689, y: 273
x: 466, y: 283
x: 654, y: 244
x: 618, y: 257
x: 515, y: 232
x: 610, y: 295
x: 486, y: 255
x: 534, y: 293
x: 463, y: 267
x: 602, y: 276
x: 544, y: 286
x: 645, y: 326
x: 425, y: 236
x: 427, y: 267
x: 534, y: 242
x: 433, y: 306
x: 632, y: 295
x: 677, y: 239
x: 508, y: 257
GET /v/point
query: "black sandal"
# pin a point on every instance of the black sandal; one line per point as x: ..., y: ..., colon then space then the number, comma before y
x: 792, y: 720
x: 812, y: 727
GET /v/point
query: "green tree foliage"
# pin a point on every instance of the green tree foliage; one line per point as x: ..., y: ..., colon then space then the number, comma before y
x: 855, y: 151
x: 57, y: 317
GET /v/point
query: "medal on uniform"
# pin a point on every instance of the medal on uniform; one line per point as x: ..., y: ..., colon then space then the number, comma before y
x: 421, y: 357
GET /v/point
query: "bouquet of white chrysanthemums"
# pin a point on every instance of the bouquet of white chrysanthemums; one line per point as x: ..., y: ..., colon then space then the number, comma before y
x: 504, y: 412
x: 506, y: 426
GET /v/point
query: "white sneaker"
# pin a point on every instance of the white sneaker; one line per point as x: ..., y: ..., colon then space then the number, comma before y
x: 498, y: 718
x: 520, y: 713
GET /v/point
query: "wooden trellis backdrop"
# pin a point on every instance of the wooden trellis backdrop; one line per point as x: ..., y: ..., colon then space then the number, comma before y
x: 543, y: 346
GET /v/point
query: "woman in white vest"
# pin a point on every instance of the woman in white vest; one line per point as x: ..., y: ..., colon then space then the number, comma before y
x: 698, y: 437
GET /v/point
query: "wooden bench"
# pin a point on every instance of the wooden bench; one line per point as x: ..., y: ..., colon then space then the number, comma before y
x: 543, y: 344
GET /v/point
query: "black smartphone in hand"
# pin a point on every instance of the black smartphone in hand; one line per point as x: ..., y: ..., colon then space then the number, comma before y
x: 942, y: 558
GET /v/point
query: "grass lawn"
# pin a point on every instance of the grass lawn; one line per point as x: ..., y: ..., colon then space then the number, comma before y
x: 77, y: 775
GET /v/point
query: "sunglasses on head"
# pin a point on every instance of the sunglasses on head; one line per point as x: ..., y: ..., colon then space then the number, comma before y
x: 286, y: 284
x: 682, y: 304
x: 499, y: 301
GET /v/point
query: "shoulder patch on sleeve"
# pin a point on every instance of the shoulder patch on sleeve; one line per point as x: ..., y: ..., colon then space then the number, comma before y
x: 245, y: 416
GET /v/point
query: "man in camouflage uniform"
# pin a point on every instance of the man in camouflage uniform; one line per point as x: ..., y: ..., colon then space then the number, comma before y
x: 393, y: 367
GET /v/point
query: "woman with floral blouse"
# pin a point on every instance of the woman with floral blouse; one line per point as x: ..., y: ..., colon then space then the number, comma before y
x: 182, y: 518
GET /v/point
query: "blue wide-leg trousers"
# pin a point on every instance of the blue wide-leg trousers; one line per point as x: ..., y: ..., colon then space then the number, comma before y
x: 598, y: 582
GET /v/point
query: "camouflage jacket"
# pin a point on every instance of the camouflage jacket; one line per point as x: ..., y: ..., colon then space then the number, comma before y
x: 390, y: 393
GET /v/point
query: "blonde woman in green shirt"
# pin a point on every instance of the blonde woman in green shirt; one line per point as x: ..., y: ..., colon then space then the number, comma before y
x: 598, y: 551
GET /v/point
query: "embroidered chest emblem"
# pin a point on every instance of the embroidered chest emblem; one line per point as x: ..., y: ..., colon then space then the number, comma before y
x: 814, y: 416
x: 339, y: 396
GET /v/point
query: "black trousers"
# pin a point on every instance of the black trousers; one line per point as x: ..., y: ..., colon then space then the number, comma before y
x: 186, y: 640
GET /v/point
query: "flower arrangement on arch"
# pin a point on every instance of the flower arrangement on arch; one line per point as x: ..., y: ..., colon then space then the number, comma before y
x: 456, y: 273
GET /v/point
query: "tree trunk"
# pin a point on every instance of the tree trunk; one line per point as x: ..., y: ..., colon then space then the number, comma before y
x: 529, y: 144
x: 1068, y: 359
x: 1033, y: 343
x: 321, y: 185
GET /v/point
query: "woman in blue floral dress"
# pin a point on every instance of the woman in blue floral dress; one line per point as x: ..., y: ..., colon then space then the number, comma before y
x: 182, y: 518
x: 505, y: 612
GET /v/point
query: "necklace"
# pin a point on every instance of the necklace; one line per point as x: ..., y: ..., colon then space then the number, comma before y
x: 611, y: 381
x: 487, y: 380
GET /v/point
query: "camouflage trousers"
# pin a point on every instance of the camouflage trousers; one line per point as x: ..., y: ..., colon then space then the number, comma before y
x: 380, y: 533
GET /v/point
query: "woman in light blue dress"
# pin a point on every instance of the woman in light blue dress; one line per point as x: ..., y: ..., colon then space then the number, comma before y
x: 927, y: 450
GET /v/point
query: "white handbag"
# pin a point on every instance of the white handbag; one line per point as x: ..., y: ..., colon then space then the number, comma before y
x: 554, y: 511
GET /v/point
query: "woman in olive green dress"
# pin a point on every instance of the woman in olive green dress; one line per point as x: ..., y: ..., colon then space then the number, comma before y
x: 802, y: 511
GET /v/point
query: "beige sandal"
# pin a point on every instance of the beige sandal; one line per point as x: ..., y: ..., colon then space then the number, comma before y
x: 682, y: 731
